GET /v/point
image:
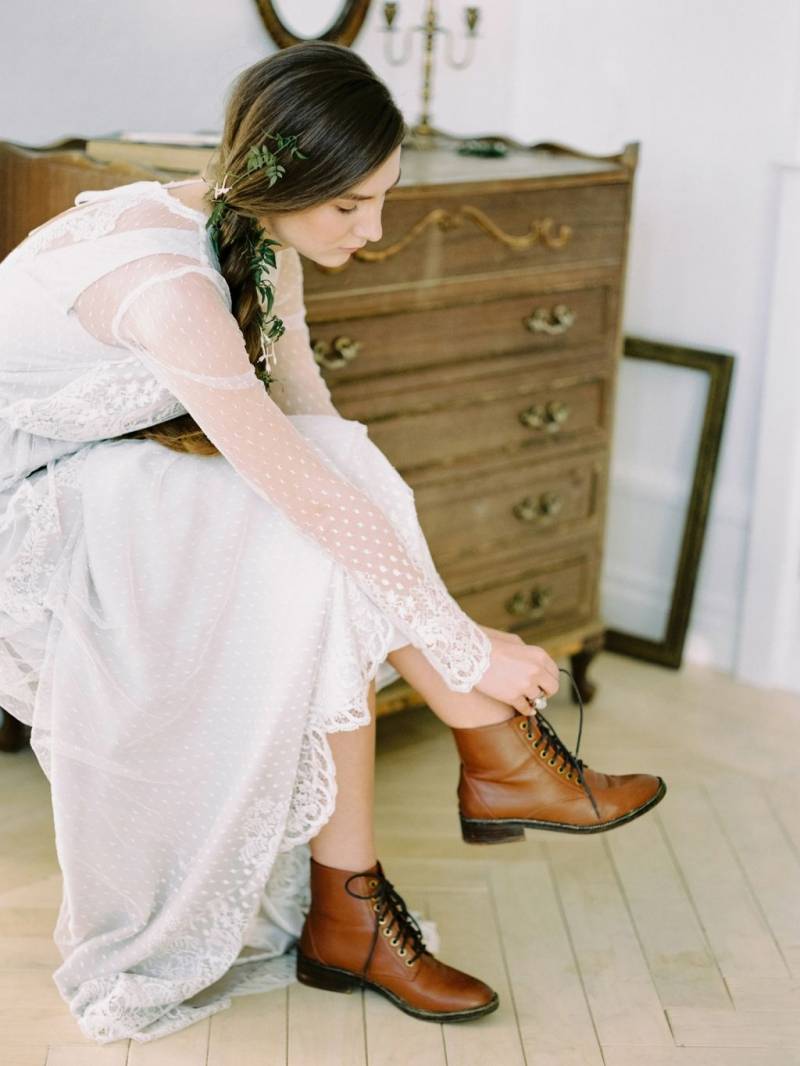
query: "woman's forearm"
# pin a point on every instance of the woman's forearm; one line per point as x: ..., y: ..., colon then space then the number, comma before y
x: 500, y: 634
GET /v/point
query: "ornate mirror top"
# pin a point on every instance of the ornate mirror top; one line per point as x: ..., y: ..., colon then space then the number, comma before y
x: 288, y: 22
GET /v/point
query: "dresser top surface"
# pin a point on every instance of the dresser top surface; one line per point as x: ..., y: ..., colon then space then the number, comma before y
x: 442, y: 165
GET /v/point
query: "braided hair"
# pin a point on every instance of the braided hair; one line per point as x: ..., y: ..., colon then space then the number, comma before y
x: 342, y: 117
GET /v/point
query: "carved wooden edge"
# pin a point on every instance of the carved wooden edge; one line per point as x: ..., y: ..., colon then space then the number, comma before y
x: 63, y: 144
x: 397, y: 696
x: 72, y: 153
x: 628, y: 157
x: 344, y: 29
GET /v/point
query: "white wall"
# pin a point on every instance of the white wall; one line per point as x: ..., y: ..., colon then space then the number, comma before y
x: 95, y: 68
x: 709, y: 88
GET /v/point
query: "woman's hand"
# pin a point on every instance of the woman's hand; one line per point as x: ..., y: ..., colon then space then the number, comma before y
x: 501, y: 634
x: 517, y: 669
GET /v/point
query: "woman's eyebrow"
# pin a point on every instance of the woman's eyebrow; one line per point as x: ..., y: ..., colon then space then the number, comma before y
x: 359, y: 196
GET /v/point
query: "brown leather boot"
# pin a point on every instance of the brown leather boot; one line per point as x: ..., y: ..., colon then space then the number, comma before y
x: 518, y: 774
x: 358, y: 932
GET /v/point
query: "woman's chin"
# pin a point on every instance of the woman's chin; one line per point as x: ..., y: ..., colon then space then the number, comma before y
x: 333, y: 258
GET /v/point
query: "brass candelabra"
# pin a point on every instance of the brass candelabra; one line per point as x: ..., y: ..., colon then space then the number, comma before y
x: 431, y: 28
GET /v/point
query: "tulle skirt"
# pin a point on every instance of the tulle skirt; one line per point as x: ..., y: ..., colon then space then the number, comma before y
x: 181, y: 651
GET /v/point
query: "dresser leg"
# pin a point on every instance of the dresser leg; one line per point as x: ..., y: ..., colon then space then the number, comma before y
x: 13, y: 733
x: 580, y: 664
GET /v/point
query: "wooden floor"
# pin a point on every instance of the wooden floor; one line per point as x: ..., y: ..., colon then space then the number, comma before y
x: 674, y: 941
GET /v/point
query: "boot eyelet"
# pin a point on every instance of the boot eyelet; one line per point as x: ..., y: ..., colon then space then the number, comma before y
x: 553, y: 762
x: 522, y: 724
x: 373, y: 884
x: 561, y: 769
x: 382, y: 921
x: 409, y: 962
x: 402, y: 953
x: 543, y: 753
x: 569, y: 776
x: 375, y: 906
x: 387, y: 931
x: 394, y: 941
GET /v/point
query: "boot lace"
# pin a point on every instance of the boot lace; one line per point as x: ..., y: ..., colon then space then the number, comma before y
x: 552, y: 741
x: 392, y: 911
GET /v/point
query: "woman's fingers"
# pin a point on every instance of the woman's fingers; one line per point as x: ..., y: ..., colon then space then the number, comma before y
x: 518, y: 670
x: 549, y: 671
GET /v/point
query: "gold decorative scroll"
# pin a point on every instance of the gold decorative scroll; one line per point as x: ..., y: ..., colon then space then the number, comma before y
x: 540, y: 232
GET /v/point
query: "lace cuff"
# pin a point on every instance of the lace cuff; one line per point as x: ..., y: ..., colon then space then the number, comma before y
x: 453, y: 644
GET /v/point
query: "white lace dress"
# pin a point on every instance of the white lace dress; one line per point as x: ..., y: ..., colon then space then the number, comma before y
x: 182, y: 631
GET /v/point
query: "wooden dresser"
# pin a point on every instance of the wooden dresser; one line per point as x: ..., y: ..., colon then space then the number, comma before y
x: 479, y: 341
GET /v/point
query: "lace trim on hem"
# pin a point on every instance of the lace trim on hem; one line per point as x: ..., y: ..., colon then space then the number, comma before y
x: 24, y: 587
x: 191, y: 959
x: 342, y: 706
x: 181, y: 959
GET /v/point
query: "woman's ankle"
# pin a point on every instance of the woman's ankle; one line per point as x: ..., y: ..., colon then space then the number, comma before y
x: 474, y: 718
x: 347, y: 861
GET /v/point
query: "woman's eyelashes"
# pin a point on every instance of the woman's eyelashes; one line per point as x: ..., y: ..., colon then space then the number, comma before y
x: 346, y: 210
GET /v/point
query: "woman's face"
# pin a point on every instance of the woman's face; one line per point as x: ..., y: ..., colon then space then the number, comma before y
x: 329, y: 233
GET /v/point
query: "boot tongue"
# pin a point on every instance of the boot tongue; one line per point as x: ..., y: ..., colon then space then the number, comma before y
x: 550, y: 740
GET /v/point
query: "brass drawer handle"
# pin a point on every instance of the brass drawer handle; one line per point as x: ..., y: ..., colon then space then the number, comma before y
x: 335, y: 354
x: 531, y: 606
x: 549, y: 505
x: 559, y: 320
x: 550, y: 416
x: 533, y: 416
x: 557, y: 414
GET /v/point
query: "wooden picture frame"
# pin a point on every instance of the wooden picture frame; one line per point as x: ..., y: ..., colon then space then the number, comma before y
x: 668, y: 651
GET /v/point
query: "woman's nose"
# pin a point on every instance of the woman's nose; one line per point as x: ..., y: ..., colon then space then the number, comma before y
x: 369, y: 227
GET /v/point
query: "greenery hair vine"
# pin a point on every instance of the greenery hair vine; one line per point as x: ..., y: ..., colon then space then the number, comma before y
x: 260, y: 252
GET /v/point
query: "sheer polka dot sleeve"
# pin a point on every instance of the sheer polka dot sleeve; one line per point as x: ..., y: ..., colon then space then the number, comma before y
x: 174, y: 315
x: 299, y: 387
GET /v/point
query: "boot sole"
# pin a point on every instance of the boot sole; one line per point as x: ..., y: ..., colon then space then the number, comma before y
x: 506, y: 830
x: 332, y: 979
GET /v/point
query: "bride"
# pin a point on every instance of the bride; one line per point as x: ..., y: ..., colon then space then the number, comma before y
x: 204, y: 569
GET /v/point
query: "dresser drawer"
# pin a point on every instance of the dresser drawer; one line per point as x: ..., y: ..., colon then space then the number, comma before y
x: 480, y: 508
x: 537, y: 320
x: 431, y: 235
x: 447, y: 423
x: 538, y: 591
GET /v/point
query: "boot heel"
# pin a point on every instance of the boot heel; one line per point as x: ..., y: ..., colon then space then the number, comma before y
x: 475, y: 832
x: 319, y: 976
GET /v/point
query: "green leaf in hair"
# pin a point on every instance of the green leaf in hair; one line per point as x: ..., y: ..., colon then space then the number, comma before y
x: 261, y: 255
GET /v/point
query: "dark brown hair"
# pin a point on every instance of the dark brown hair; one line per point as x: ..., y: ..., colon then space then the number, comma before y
x: 346, y: 125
